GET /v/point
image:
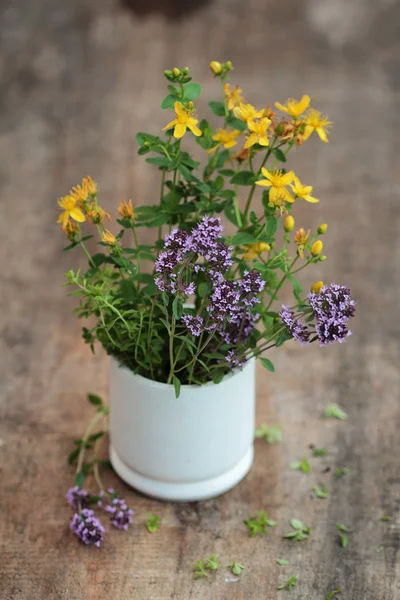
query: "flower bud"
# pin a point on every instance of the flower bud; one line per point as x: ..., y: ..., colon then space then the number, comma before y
x: 316, y: 248
x: 190, y: 105
x: 322, y: 228
x: 185, y: 71
x: 316, y: 288
x: 215, y: 67
x: 288, y: 223
x: 322, y: 257
x: 228, y: 65
x: 176, y: 71
x: 263, y: 247
x: 168, y: 73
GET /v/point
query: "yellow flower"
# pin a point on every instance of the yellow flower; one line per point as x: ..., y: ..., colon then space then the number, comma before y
x: 215, y: 67
x: 294, y: 107
x: 316, y: 248
x: 322, y: 228
x: 125, y: 209
x: 317, y: 287
x: 233, y: 97
x: 68, y: 203
x: 108, y: 238
x: 255, y: 249
x: 246, y: 112
x: 71, y: 230
x: 302, y: 191
x: 288, y: 223
x: 225, y: 138
x: 96, y: 214
x: 258, y: 132
x: 314, y: 122
x: 182, y: 121
x: 301, y: 238
x: 89, y: 186
x: 277, y: 182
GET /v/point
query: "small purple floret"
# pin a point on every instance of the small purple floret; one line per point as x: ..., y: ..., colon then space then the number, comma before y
x: 87, y: 527
x: 121, y: 514
x: 332, y: 308
x: 77, y: 497
x: 298, y: 330
x: 194, y: 324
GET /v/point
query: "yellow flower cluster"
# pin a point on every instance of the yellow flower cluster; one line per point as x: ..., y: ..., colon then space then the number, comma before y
x: 278, y: 182
x: 76, y: 200
x: 183, y: 121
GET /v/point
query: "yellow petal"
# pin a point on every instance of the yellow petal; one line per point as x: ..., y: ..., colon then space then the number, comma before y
x: 230, y: 144
x: 171, y: 124
x: 263, y: 141
x: 303, y: 104
x: 285, y: 195
x: 311, y: 199
x: 287, y: 178
x: 211, y: 150
x: 180, y: 130
x: 251, y: 140
x: 296, y: 181
x: 281, y: 107
x: 307, y: 131
x: 193, y: 128
x: 178, y: 108
x: 266, y: 173
x: 237, y: 112
x: 63, y: 218
x: 77, y: 215
x: 322, y: 134
x: 251, y: 125
x: 263, y: 182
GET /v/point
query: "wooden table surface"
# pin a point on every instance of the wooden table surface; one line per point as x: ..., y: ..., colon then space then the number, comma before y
x: 79, y: 78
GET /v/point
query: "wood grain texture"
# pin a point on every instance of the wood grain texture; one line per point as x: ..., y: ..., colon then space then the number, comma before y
x: 79, y: 78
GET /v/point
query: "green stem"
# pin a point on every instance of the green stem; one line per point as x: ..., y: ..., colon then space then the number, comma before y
x: 82, y: 245
x: 253, y: 187
x: 92, y: 424
x: 171, y: 349
x: 273, y: 297
x: 137, y: 256
x: 96, y: 470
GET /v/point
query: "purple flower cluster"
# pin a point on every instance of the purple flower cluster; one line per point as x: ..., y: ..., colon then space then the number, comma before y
x: 194, y: 324
x: 332, y: 308
x: 234, y: 361
x: 121, y: 514
x: 77, y: 497
x: 251, y: 285
x: 239, y: 327
x: 298, y: 330
x: 87, y: 527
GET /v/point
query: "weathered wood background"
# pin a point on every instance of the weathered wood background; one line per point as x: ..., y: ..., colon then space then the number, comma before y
x: 79, y: 78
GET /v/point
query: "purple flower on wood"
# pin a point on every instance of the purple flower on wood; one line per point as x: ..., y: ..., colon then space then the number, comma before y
x: 298, y: 330
x: 121, y: 514
x: 77, y: 497
x: 87, y: 527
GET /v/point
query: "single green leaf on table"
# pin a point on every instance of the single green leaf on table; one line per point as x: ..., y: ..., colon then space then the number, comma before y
x: 152, y: 523
x: 342, y: 527
x: 385, y: 518
x: 289, y: 584
x: 211, y: 562
x: 301, y: 532
x: 344, y: 540
x: 236, y: 568
x: 332, y: 593
x: 271, y: 434
x: 341, y: 471
x: 258, y: 523
x: 319, y: 452
x: 301, y: 465
x: 320, y: 492
x: 334, y: 410
x: 282, y: 561
x: 267, y: 364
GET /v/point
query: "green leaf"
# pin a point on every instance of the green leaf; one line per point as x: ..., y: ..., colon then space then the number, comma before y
x: 320, y: 492
x: 236, y: 568
x: 319, y: 452
x: 191, y: 91
x: 330, y: 595
x: 243, y: 178
x: 334, y: 410
x: 72, y: 456
x: 279, y: 155
x: 385, y: 518
x: 199, y: 570
x: 177, y: 385
x: 177, y: 308
x: 243, y: 238
x: 344, y: 528
x: 271, y: 227
x: 95, y: 436
x: 258, y: 523
x: 211, y: 562
x: 301, y: 465
x: 341, y: 471
x: 227, y: 172
x: 289, y: 584
x: 169, y: 101
x: 152, y: 523
x: 95, y: 400
x: 282, y: 561
x: 79, y: 479
x: 203, y: 289
x: 267, y: 364
x: 159, y: 161
x: 271, y: 434
x: 296, y: 524
x: 236, y: 123
x: 218, y: 108
x: 344, y: 540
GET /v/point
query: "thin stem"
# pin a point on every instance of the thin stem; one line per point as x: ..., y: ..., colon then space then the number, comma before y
x: 137, y: 256
x: 273, y: 297
x: 92, y: 424
x: 171, y: 349
x: 96, y: 470
x: 253, y: 187
x: 82, y: 245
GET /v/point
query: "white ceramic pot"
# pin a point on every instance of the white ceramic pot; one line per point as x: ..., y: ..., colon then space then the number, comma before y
x: 189, y: 448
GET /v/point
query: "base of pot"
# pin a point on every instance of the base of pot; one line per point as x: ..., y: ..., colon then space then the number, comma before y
x: 183, y: 492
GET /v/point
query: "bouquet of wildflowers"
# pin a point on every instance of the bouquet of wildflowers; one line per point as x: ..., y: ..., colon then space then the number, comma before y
x: 195, y: 303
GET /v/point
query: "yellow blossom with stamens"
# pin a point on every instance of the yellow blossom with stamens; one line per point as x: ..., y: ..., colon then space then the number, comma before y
x: 317, y: 287
x: 233, y: 96
x: 109, y: 238
x: 96, y: 214
x: 277, y: 182
x: 68, y: 203
x: 294, y: 107
x: 258, y: 132
x: 314, y: 122
x: 225, y: 138
x: 246, y: 112
x: 254, y: 249
x: 125, y: 209
x: 301, y: 238
x: 302, y: 191
x: 183, y: 120
x: 89, y: 186
x: 80, y: 193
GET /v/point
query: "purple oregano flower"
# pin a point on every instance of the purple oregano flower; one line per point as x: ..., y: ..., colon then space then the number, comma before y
x: 121, y: 514
x: 77, y: 497
x: 332, y: 308
x: 87, y: 527
x: 194, y: 324
x: 298, y: 330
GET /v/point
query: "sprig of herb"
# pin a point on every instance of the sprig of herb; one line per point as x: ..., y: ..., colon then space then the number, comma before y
x: 199, y: 570
x: 334, y: 410
x: 289, y: 584
x: 320, y: 492
x: 343, y: 538
x: 210, y: 563
x: 301, y: 532
x: 301, y: 465
x: 341, y: 471
x: 152, y: 523
x: 258, y: 523
x: 236, y: 568
x: 332, y: 593
x: 319, y: 452
x: 272, y: 434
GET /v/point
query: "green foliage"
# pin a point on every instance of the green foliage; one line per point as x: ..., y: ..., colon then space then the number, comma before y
x: 258, y: 523
x: 301, y: 532
x: 271, y: 434
x: 289, y: 584
x: 334, y: 410
x: 301, y: 465
x: 236, y: 568
x: 152, y: 523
